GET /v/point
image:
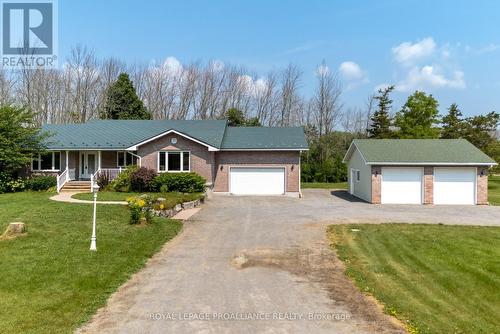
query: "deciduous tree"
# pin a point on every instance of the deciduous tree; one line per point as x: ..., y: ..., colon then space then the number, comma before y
x: 20, y: 139
x: 419, y: 117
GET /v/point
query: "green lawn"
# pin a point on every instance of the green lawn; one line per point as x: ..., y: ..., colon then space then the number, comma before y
x: 171, y: 198
x: 50, y: 281
x: 436, y: 278
x: 324, y: 185
x: 494, y: 190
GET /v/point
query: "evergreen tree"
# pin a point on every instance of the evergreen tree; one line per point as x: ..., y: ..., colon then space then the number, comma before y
x: 122, y: 101
x: 453, y: 124
x: 418, y: 117
x: 236, y: 117
x: 380, y: 122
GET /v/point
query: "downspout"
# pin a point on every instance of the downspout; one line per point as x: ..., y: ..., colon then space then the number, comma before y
x: 137, y: 156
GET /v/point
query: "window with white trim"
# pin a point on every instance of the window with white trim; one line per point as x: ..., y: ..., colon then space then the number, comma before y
x: 124, y: 159
x: 358, y: 176
x: 174, y: 161
x: 47, y: 162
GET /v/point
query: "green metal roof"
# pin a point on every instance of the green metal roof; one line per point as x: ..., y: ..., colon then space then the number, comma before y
x: 122, y: 134
x: 419, y: 151
x: 262, y: 138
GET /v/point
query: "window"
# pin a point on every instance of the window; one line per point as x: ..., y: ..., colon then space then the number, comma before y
x: 124, y: 159
x: 47, y: 161
x: 173, y: 161
x: 358, y: 176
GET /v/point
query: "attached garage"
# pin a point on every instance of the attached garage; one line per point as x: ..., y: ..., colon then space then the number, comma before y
x: 454, y: 185
x: 401, y: 185
x: 418, y: 171
x: 257, y: 180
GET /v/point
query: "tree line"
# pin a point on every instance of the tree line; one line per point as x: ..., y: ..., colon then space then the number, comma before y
x: 78, y: 91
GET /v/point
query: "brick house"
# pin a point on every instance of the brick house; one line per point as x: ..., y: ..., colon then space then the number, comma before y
x: 418, y: 171
x: 235, y: 160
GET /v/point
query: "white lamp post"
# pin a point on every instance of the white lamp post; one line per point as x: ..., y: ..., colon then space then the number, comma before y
x: 95, y: 189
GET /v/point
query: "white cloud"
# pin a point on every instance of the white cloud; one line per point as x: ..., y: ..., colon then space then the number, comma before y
x: 353, y: 74
x: 254, y: 86
x: 431, y: 76
x: 407, y: 52
x: 349, y: 70
x: 172, y: 65
x: 482, y: 50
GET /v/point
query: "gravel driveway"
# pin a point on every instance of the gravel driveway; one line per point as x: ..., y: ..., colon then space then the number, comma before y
x: 262, y: 265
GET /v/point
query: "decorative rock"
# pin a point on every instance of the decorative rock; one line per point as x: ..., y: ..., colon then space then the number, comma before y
x: 160, y: 199
x: 178, y: 207
x: 191, y: 205
x: 14, y: 230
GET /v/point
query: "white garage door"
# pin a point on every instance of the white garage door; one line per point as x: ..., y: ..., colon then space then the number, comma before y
x: 454, y: 185
x: 257, y: 181
x: 401, y: 185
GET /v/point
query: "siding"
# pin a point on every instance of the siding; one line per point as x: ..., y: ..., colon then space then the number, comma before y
x: 363, y: 188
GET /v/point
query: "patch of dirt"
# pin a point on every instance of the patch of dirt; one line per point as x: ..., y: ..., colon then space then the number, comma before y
x: 317, y: 263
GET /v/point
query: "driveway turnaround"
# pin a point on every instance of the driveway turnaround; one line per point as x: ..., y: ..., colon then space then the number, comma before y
x: 263, y: 265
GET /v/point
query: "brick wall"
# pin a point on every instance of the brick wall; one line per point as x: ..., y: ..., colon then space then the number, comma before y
x: 482, y: 186
x: 376, y: 184
x: 225, y: 160
x: 201, y: 159
x: 428, y: 185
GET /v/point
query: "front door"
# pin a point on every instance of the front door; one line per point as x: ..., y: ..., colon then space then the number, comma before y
x: 88, y: 164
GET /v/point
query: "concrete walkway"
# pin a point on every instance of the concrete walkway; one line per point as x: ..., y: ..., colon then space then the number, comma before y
x: 186, y: 214
x: 66, y: 197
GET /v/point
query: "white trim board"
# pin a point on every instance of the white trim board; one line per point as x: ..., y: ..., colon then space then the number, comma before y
x: 134, y: 147
x: 431, y: 163
x: 263, y: 149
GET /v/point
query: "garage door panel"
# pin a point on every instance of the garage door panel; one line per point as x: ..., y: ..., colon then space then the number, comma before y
x: 257, y: 181
x: 401, y: 185
x: 454, y: 185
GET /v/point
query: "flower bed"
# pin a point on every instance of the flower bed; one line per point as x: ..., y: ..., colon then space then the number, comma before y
x: 145, y: 206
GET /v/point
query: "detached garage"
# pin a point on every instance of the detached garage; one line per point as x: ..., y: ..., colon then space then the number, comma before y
x: 418, y: 171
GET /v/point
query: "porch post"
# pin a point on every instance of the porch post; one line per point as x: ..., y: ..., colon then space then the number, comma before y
x: 67, y: 165
x: 98, y: 160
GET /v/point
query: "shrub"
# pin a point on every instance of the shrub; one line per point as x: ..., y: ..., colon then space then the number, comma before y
x: 41, y: 182
x: 103, y: 180
x: 9, y: 183
x: 141, y: 206
x: 122, y: 182
x: 142, y: 179
x: 180, y: 182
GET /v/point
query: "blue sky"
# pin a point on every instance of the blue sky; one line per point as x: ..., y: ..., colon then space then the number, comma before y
x: 448, y: 48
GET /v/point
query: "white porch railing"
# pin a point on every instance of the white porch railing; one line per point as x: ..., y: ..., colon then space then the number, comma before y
x: 62, y: 179
x: 111, y: 173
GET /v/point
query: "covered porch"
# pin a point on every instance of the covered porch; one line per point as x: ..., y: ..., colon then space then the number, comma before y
x: 88, y: 165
